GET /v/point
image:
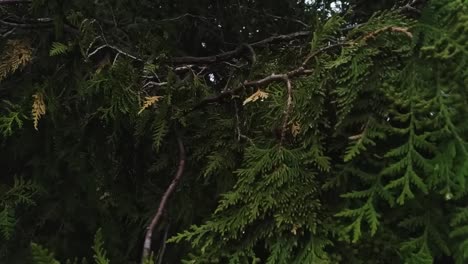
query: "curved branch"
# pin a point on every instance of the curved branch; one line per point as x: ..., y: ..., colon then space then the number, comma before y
x: 164, y: 199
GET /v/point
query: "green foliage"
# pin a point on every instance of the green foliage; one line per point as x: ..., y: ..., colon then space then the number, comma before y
x: 356, y: 150
x: 367, y: 211
x: 460, y: 232
x: 366, y: 138
x: 11, y: 119
x: 7, y: 223
x: 98, y: 248
x: 58, y: 49
x: 409, y: 159
x: 11, y: 197
x: 269, y: 193
x: 41, y: 255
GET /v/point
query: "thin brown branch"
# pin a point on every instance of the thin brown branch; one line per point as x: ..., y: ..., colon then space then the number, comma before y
x: 273, y: 39
x: 119, y: 51
x: 26, y: 25
x: 300, y: 71
x: 238, y: 51
x: 315, y: 53
x: 182, y: 16
x: 6, y: 2
x: 7, y: 33
x: 257, y: 83
x: 288, y: 110
x: 210, y: 59
x: 152, y: 84
x: 162, y: 204
x: 289, y: 19
x: 413, y: 8
x: 294, y: 73
x: 40, y: 23
x: 264, y: 12
x: 300, y: 34
x: 163, y: 247
x: 373, y: 34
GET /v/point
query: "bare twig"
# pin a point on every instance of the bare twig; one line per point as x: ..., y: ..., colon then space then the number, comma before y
x: 158, y: 84
x: 163, y: 248
x: 235, y: 66
x: 14, y: 2
x: 209, y: 59
x: 272, y: 39
x: 239, y: 133
x: 279, y: 17
x: 40, y: 23
x: 116, y: 49
x: 184, y: 68
x: 115, y: 59
x: 26, y: 25
x: 164, y: 199
x: 413, y: 7
x: 238, y: 51
x: 182, y: 16
x: 289, y: 19
x: 6, y: 34
x: 315, y: 53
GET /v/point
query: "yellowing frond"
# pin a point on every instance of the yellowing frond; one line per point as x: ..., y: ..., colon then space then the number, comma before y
x: 295, y: 129
x: 259, y: 94
x: 38, y: 108
x: 17, y: 54
x: 149, y: 101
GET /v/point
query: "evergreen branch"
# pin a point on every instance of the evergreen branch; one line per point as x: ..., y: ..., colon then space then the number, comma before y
x: 98, y: 248
x: 164, y: 199
x: 300, y: 71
